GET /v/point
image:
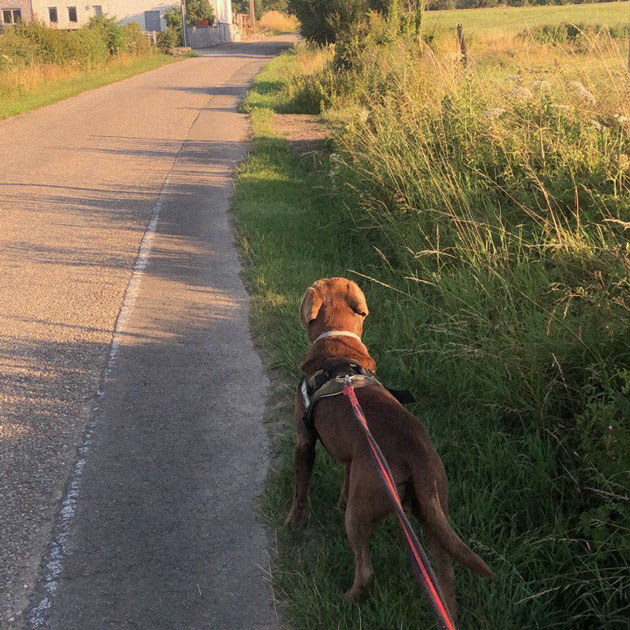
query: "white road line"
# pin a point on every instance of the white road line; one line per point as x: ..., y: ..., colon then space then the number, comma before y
x: 37, y: 614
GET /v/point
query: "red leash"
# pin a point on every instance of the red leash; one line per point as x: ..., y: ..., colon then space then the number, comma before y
x: 422, y: 568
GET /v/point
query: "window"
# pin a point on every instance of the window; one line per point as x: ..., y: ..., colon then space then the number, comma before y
x: 11, y: 16
x: 52, y: 15
x: 72, y: 14
x: 98, y: 10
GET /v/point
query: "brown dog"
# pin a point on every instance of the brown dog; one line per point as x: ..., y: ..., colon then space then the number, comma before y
x: 337, y: 304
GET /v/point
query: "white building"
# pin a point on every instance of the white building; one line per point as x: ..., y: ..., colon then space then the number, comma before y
x: 73, y: 14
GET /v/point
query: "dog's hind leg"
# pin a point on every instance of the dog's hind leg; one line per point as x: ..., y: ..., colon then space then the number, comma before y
x: 444, y: 572
x: 358, y: 530
x: 367, y: 504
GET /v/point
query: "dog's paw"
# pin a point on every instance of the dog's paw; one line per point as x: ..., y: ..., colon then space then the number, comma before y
x: 296, y: 517
x: 354, y: 596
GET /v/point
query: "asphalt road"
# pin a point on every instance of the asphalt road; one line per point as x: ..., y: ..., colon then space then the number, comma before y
x: 131, y: 396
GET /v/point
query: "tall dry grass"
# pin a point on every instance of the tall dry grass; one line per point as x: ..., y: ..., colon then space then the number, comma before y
x: 498, y: 200
x: 279, y: 22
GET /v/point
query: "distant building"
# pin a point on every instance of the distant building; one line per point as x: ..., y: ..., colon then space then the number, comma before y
x: 12, y: 11
x: 73, y: 14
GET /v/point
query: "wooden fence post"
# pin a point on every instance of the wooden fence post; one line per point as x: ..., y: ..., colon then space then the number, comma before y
x: 462, y: 44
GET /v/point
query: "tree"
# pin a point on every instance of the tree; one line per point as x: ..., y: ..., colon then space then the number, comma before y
x: 173, y: 17
x: 325, y: 21
x: 198, y: 10
x: 195, y: 10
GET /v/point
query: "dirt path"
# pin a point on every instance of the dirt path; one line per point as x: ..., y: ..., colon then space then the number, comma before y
x: 131, y: 449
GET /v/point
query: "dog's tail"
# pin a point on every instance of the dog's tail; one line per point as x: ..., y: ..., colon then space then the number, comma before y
x: 433, y: 518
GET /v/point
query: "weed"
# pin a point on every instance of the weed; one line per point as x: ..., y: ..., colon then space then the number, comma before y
x: 494, y: 254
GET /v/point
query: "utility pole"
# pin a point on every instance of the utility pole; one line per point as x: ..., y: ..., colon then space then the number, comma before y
x: 183, y: 5
x: 252, y: 14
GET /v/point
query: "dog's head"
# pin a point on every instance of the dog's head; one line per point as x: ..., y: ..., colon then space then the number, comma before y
x: 333, y: 304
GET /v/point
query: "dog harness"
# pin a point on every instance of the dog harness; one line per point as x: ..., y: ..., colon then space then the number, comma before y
x: 330, y: 381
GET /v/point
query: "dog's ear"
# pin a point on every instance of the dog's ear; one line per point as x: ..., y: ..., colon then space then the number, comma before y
x: 356, y: 300
x: 311, y: 303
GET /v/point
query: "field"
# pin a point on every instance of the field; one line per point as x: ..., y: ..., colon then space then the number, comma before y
x: 485, y: 212
x: 513, y: 19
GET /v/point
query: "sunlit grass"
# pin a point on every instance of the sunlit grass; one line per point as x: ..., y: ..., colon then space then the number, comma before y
x: 276, y: 22
x: 493, y: 253
x: 500, y: 20
x: 26, y: 88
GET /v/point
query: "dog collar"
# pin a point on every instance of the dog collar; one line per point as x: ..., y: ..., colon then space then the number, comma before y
x: 337, y: 333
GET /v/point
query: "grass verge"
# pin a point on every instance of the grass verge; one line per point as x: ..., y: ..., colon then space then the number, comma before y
x: 65, y: 83
x: 294, y: 231
x: 472, y: 336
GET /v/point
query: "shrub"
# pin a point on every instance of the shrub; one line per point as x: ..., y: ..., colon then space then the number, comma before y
x: 51, y: 45
x: 91, y: 45
x: 578, y: 35
x: 168, y: 39
x: 135, y: 41
x: 16, y: 49
x: 112, y: 33
x: 83, y: 47
x: 88, y: 48
x: 325, y: 21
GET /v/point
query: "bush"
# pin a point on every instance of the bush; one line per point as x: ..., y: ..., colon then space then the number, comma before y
x: 94, y: 44
x: 135, y: 41
x: 168, y: 39
x: 575, y: 34
x: 15, y: 49
x: 88, y: 48
x: 112, y: 33
x: 83, y: 47
x: 325, y: 21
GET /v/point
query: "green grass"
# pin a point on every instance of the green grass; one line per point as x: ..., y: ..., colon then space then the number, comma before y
x: 514, y: 19
x: 499, y: 392
x: 62, y: 88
